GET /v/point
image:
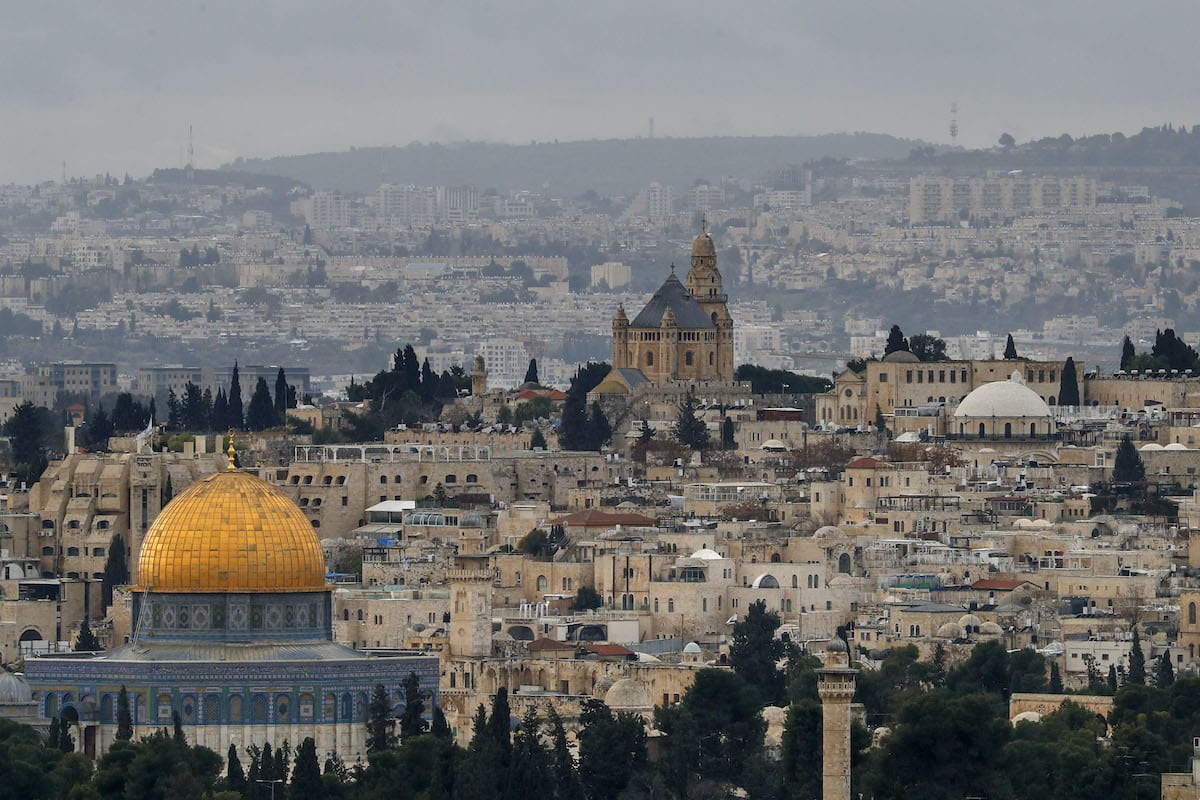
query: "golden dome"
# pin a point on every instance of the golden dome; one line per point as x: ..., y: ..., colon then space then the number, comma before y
x: 703, y: 247
x: 231, y: 532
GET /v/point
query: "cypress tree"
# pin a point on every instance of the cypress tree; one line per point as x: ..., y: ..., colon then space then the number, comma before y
x: 727, y: 440
x: 429, y: 382
x: 306, y: 777
x: 381, y: 725
x: 600, y: 429
x: 1056, y: 684
x: 1128, y: 353
x: 531, y: 372
x: 86, y: 641
x: 124, y: 717
x: 235, y: 776
x: 234, y: 413
x: 281, y: 395
x: 1068, y: 386
x: 1164, y: 674
x: 116, y: 569
x: 1137, y: 661
x: 219, y: 419
x: 412, y: 722
x: 1128, y: 466
x: 689, y: 429
x: 1010, y: 349
x: 261, y: 414
x: 537, y: 440
x: 895, y: 341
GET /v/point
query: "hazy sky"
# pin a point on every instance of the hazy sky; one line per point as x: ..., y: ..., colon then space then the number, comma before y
x: 112, y: 86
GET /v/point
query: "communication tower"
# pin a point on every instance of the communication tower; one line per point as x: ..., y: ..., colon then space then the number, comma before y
x: 954, y: 122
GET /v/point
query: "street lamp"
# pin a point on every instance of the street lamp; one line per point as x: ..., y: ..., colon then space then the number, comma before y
x: 273, y: 781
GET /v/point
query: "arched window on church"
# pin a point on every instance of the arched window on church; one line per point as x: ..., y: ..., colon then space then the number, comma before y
x: 711, y: 359
x: 1191, y: 613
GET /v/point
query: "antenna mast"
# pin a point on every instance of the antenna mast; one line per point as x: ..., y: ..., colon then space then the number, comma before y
x: 954, y: 122
x: 191, y: 156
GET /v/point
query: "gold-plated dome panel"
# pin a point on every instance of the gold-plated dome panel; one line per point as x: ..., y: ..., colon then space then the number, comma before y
x: 231, y: 532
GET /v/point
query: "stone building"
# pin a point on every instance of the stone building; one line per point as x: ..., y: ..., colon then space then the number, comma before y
x: 685, y: 332
x: 232, y: 631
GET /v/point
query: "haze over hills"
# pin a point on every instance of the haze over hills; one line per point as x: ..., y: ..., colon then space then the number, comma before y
x: 609, y: 166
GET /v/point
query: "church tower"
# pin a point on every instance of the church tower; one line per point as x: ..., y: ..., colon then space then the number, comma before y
x: 835, y: 685
x: 479, y: 378
x: 705, y: 286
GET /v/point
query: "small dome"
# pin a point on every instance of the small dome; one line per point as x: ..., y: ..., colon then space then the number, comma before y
x: 13, y: 689
x: 900, y: 357
x: 774, y: 445
x: 950, y: 630
x: 836, y: 645
x: 691, y: 649
x: 829, y: 532
x: 705, y: 554
x: 766, y: 581
x: 1175, y: 446
x: 703, y: 247
x: 991, y: 629
x: 231, y: 532
x: 1153, y: 447
x: 627, y: 695
x: 1027, y: 716
x: 1006, y: 399
x: 969, y: 622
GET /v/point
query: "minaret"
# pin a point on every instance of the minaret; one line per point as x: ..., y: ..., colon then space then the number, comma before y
x: 835, y: 684
x: 470, y: 607
x: 479, y: 378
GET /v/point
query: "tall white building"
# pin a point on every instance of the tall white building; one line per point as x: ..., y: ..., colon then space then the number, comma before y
x: 406, y: 206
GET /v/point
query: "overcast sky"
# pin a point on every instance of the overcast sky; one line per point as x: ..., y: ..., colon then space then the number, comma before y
x: 112, y: 86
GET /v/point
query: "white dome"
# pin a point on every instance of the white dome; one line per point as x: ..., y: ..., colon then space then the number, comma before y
x: 706, y: 555
x: 691, y: 648
x: 1153, y: 447
x: 627, y: 695
x: 766, y: 581
x: 829, y: 532
x: 774, y: 444
x: 949, y: 630
x: 1175, y: 446
x: 990, y: 629
x: 969, y: 621
x: 1027, y: 716
x: 1010, y: 398
x: 13, y: 689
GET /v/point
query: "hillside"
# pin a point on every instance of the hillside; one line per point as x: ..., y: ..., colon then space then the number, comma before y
x: 610, y: 166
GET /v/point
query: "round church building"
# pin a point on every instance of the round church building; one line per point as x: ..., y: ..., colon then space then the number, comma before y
x: 232, y: 630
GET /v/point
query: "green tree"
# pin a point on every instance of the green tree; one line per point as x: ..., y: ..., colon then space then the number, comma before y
x: 1068, y: 387
x: 1128, y: 466
x: 562, y: 765
x: 1164, y: 672
x: 27, y: 430
x: 116, y: 569
x: 86, y: 640
x: 1127, y: 353
x: 234, y: 415
x: 306, y: 777
x: 530, y: 774
x: 713, y: 733
x: 537, y: 441
x: 235, y: 776
x: 895, y: 341
x: 381, y: 722
x: 755, y: 653
x: 1010, y: 349
x: 689, y: 428
x: 727, y: 434
x: 1137, y: 661
x: 612, y: 749
x: 281, y: 395
x: 1055, y: 686
x: 586, y: 599
x: 801, y: 749
x: 412, y: 719
x: 1007, y: 141
x: 927, y: 348
x: 531, y: 372
x: 261, y: 414
x: 124, y: 717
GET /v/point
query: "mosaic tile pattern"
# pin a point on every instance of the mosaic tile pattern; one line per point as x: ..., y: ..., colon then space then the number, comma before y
x: 231, y: 532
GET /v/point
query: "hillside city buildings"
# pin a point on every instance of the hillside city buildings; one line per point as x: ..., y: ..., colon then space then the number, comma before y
x: 934, y: 503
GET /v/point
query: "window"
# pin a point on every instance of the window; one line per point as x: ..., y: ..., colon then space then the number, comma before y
x: 670, y: 605
x: 883, y: 377
x: 1191, y: 613
x: 688, y: 358
x: 542, y: 583
x: 649, y: 359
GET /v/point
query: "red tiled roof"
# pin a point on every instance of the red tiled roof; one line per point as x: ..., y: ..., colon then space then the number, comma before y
x: 546, y: 645
x: 867, y: 463
x: 606, y: 649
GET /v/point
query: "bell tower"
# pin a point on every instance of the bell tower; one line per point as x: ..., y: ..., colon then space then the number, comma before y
x: 470, y: 607
x: 705, y: 286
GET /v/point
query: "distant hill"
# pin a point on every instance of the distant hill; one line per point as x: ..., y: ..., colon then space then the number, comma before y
x: 609, y: 166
